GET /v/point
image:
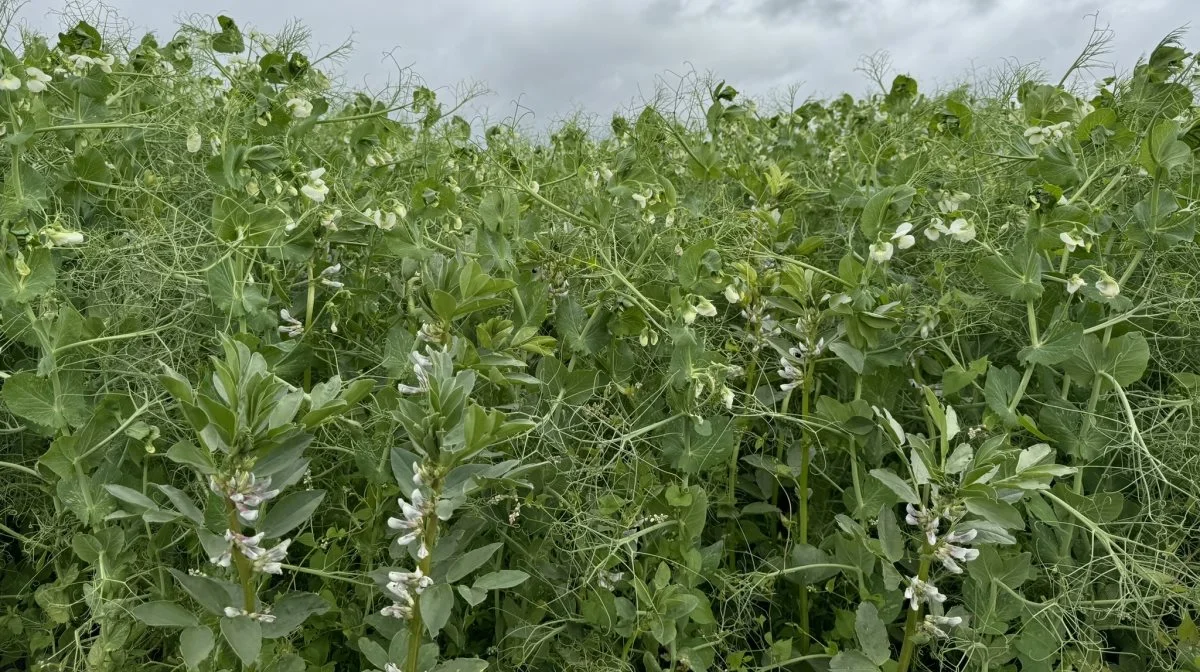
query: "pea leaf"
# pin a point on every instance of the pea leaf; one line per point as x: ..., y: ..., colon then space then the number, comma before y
x: 1057, y: 344
x: 34, y: 399
x: 164, y: 614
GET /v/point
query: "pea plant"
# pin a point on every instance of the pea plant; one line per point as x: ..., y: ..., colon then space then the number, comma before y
x: 300, y: 377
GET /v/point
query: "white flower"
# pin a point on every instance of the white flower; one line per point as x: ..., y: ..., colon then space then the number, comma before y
x: 950, y: 553
x: 881, y: 252
x: 37, y: 80
x: 315, y: 189
x: 9, y: 82
x: 928, y: 521
x: 705, y: 308
x: 902, y: 237
x: 1107, y: 287
x: 193, y: 140
x: 727, y: 398
x: 790, y: 373
x: 919, y: 591
x: 246, y: 491
x: 105, y: 62
x: 608, y: 580
x: 412, y: 524
x: 64, y: 238
x: 1036, y: 135
x: 1074, y: 284
x: 641, y: 200
x: 731, y: 294
x: 291, y: 326
x: 1071, y: 240
x: 935, y: 229
x: 934, y: 624
x: 961, y: 230
x: 299, y: 108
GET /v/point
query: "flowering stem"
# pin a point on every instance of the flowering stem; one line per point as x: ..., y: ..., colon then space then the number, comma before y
x: 308, y: 316
x: 429, y: 538
x: 243, y: 565
x: 802, y: 486
x: 914, y: 616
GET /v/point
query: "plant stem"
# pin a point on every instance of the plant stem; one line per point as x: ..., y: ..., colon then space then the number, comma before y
x: 802, y: 486
x: 429, y: 538
x: 914, y: 615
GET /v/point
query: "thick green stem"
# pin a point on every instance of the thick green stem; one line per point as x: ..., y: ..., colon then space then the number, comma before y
x: 415, y: 624
x: 914, y: 616
x: 802, y: 487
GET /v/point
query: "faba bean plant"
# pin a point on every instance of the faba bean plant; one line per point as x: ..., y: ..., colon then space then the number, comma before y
x: 300, y: 377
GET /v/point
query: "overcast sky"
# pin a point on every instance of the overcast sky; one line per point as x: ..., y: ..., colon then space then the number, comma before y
x: 561, y: 56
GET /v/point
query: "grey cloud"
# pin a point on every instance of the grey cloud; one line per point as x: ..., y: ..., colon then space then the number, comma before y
x: 558, y: 56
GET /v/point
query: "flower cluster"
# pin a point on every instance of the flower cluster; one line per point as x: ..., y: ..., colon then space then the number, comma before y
x: 291, y: 327
x: 960, y: 230
x: 950, y: 553
x: 422, y: 367
x: 882, y: 250
x: 1036, y: 135
x: 403, y: 586
x: 245, y: 490
x: 932, y: 625
x: 951, y: 202
x: 265, y: 560
x: 697, y: 305
x: 919, y: 592
x: 329, y: 273
x: 412, y: 525
x: 315, y: 188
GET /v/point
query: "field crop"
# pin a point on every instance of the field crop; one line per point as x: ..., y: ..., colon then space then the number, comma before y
x: 294, y: 376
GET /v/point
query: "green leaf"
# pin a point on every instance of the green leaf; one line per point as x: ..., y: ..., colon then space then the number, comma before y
x: 849, y: 354
x: 291, y: 611
x: 872, y: 633
x: 699, y: 262
x: 195, y: 644
x: 189, y: 453
x: 229, y: 40
x: 33, y: 398
x: 472, y: 596
x: 462, y: 665
x: 290, y: 512
x: 1018, y: 277
x: 690, y: 451
x: 504, y: 578
x: 470, y: 561
x: 852, y: 661
x: 885, y: 207
x: 890, y: 536
x: 1162, y: 149
x: 1000, y: 512
x: 897, y: 485
x: 164, y: 614
x: 956, y: 377
x: 1057, y: 345
x: 23, y: 289
x: 374, y: 652
x: 999, y: 390
x: 804, y: 555
x: 213, y: 595
x: 436, y: 603
x: 244, y: 636
x: 1127, y: 358
x: 131, y: 496
x: 183, y: 504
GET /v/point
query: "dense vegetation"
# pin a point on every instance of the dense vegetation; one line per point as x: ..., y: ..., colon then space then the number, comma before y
x: 296, y: 377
